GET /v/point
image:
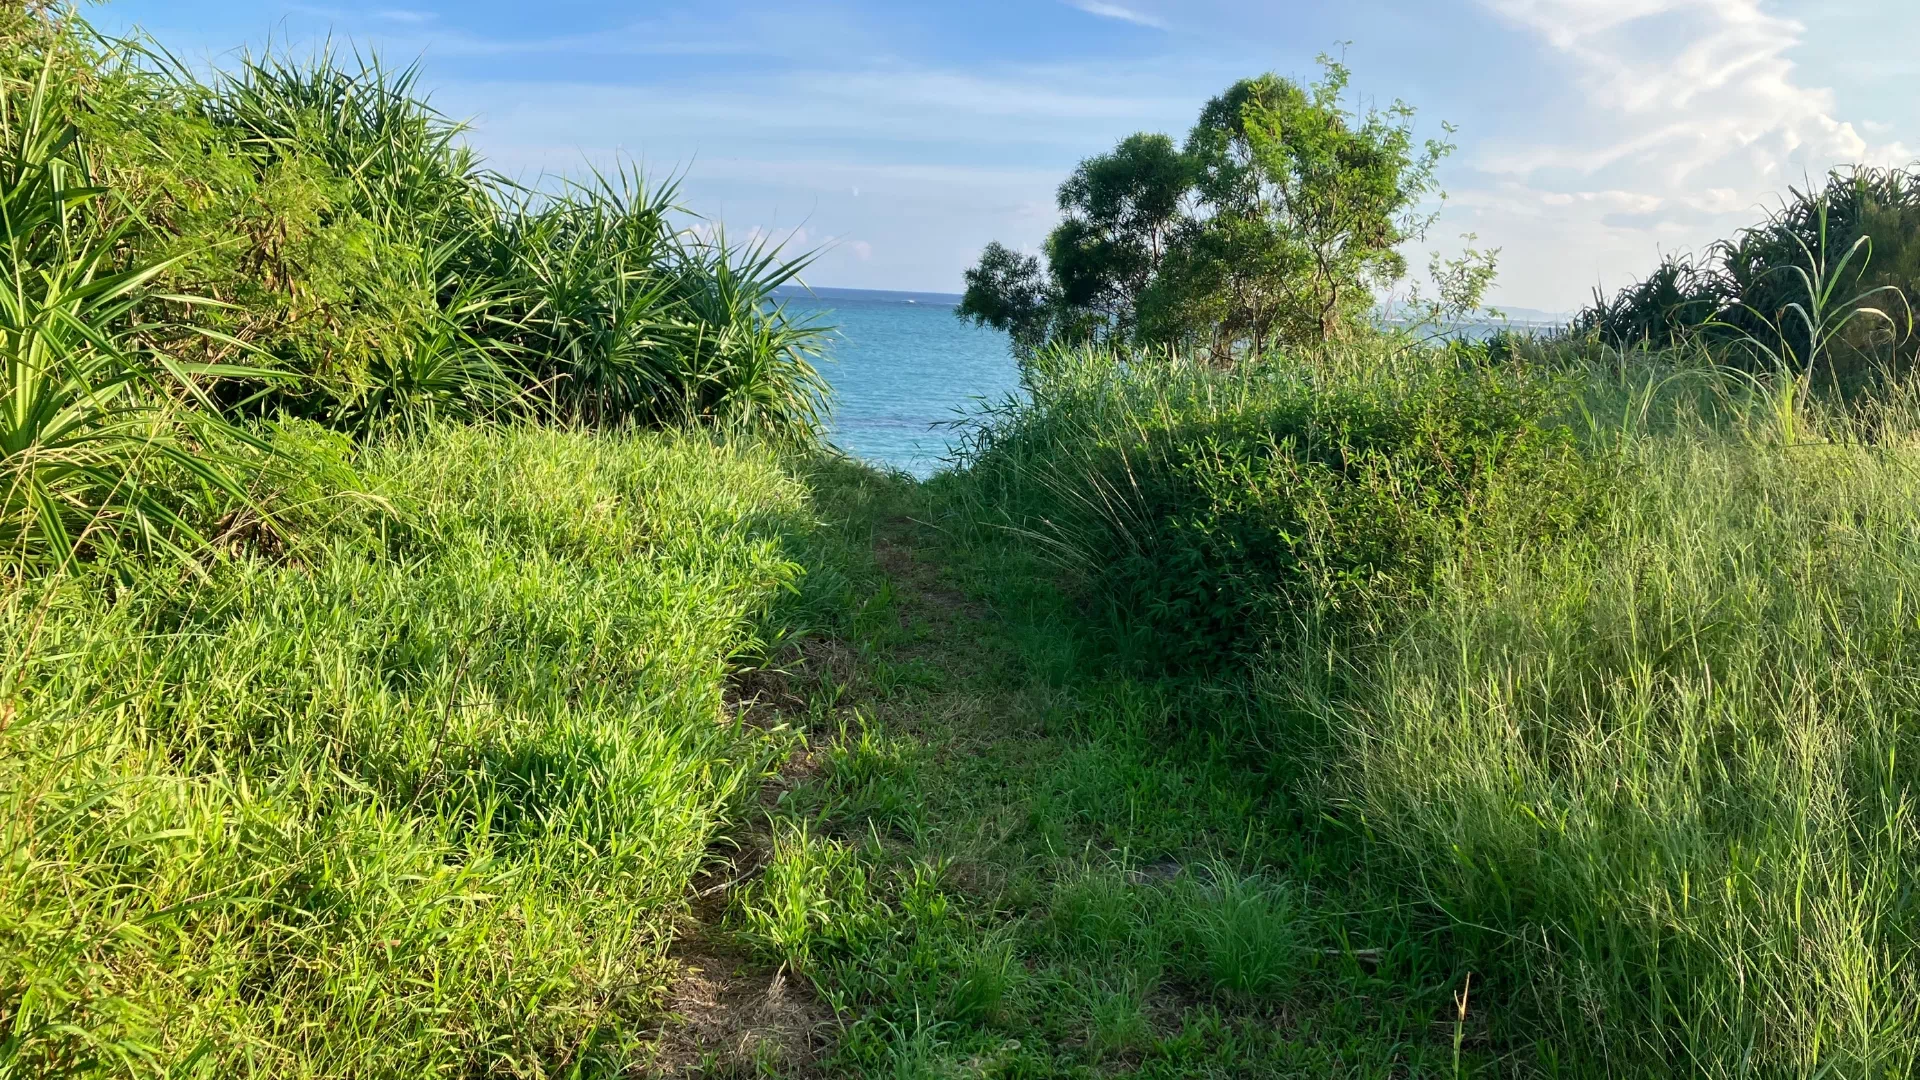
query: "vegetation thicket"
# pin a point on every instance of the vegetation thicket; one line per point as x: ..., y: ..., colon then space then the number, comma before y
x: 1214, y: 516
x: 1622, y: 726
x: 364, y: 709
x: 1560, y: 682
x: 414, y: 583
x: 1753, y: 301
x: 308, y: 238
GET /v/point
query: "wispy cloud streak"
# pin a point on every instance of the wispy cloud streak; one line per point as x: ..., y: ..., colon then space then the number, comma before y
x: 1115, y: 11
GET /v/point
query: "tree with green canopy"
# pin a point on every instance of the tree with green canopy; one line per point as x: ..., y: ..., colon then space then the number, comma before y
x: 1278, y: 222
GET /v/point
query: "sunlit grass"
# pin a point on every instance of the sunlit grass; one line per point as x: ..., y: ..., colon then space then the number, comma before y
x: 418, y: 792
x: 1660, y: 772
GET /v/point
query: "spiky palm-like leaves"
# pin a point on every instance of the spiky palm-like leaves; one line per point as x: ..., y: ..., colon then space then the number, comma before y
x: 630, y: 318
x: 1779, y: 294
x: 357, y: 249
x: 372, y: 127
x: 1804, y: 335
x: 89, y: 417
x: 753, y: 357
x: 591, y: 296
x: 441, y: 371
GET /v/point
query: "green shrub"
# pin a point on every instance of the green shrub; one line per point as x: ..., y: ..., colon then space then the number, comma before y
x: 1824, y: 289
x: 308, y: 238
x: 338, y: 230
x: 1208, y: 513
x: 94, y: 422
x: 621, y: 314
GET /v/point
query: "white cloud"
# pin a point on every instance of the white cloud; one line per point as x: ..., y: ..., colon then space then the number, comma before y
x: 1115, y: 11
x: 1690, y: 116
x: 1695, y: 81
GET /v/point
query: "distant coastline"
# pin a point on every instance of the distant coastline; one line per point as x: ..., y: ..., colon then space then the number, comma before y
x: 872, y: 296
x: 1523, y: 320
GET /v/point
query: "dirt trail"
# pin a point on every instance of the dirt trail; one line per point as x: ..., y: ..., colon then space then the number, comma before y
x: 729, y: 1013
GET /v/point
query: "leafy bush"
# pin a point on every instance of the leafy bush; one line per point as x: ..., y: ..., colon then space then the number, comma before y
x: 424, y: 285
x: 1210, y: 513
x: 316, y: 221
x: 339, y: 230
x: 621, y: 315
x: 1845, y: 246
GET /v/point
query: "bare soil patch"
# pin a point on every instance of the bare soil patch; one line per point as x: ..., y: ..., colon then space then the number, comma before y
x: 730, y: 1017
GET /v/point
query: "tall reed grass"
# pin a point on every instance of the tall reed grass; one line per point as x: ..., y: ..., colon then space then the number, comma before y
x: 1650, y: 777
x: 1659, y: 775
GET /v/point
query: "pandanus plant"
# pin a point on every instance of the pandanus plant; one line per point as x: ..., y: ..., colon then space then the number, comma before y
x: 98, y: 431
x: 1806, y: 331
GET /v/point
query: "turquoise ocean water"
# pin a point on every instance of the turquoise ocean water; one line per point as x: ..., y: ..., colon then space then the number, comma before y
x: 903, y: 368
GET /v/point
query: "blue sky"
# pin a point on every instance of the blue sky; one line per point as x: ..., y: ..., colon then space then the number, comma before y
x: 1594, y: 134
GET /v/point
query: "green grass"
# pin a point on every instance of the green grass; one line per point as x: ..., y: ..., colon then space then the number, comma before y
x: 1632, y: 799
x: 1010, y: 859
x: 1541, y: 710
x: 1668, y: 764
x: 1385, y: 711
x: 430, y: 777
x: 417, y: 792
x: 446, y: 769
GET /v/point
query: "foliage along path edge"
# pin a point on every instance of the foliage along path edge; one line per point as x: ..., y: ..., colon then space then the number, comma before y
x: 991, y: 854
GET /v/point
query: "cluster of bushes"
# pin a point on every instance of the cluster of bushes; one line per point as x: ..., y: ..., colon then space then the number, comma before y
x: 1605, y: 669
x: 1212, y: 513
x: 1598, y: 647
x: 308, y: 238
x: 1824, y: 287
x: 391, y: 744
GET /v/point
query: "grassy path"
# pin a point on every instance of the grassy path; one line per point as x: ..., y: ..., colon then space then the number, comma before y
x: 995, y: 856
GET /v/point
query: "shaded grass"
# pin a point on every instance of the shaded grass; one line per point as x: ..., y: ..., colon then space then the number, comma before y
x: 1032, y: 866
